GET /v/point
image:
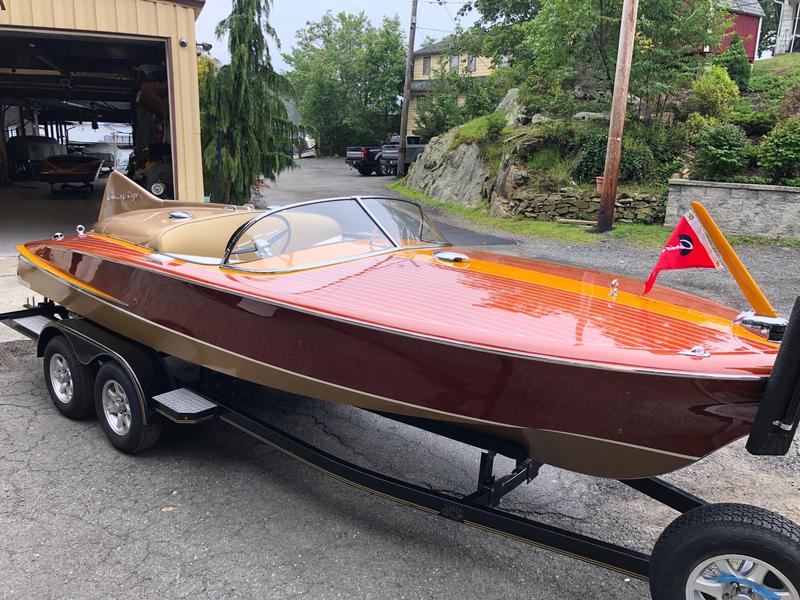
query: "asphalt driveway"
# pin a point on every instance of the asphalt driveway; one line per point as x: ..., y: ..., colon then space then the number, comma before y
x: 211, y: 513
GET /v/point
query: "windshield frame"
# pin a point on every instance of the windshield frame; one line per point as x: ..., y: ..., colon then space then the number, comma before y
x: 396, y: 245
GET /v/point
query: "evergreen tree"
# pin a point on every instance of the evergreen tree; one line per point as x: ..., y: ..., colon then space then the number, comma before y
x: 243, y: 104
x: 734, y: 60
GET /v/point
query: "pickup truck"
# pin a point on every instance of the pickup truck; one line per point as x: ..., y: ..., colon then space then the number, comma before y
x: 365, y: 160
x: 390, y: 152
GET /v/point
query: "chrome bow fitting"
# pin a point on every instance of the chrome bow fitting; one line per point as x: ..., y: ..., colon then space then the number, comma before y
x: 770, y: 328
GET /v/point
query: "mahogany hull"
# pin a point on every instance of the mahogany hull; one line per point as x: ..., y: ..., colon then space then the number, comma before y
x: 594, y: 420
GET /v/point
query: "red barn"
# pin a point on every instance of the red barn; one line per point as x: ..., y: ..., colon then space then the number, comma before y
x: 747, y: 15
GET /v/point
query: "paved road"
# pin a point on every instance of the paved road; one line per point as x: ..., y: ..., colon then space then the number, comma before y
x: 211, y: 513
x: 327, y: 178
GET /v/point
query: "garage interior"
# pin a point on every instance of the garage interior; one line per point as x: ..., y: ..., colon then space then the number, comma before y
x: 54, y: 86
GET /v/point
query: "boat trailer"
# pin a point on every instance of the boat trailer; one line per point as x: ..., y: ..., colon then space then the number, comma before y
x: 211, y: 398
x: 191, y: 405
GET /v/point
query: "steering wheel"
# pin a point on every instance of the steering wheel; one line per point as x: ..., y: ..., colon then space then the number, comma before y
x: 264, y: 245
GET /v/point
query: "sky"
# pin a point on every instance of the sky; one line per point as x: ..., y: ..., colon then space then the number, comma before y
x: 433, y: 19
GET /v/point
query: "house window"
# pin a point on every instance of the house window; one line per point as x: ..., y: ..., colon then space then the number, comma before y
x: 472, y: 64
x: 426, y: 65
x: 454, y: 60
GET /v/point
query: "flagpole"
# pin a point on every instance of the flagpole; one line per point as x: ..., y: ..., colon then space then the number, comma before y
x: 746, y: 283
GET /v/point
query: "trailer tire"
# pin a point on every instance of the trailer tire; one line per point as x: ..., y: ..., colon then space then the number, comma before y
x: 120, y: 413
x: 720, y: 545
x: 68, y: 381
x: 365, y: 172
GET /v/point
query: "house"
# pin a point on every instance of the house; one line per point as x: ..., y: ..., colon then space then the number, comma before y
x: 788, y: 35
x: 747, y: 16
x: 429, y: 61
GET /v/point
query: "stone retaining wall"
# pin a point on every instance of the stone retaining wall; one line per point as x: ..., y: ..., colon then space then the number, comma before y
x: 746, y: 209
x: 572, y: 203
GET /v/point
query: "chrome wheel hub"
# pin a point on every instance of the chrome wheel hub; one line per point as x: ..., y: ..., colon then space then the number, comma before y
x: 61, y: 379
x: 734, y: 577
x: 116, y: 407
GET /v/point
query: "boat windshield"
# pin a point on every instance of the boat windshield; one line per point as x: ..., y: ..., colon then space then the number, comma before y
x: 329, y: 231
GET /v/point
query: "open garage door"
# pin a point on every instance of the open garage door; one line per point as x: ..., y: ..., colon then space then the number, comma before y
x: 72, y: 108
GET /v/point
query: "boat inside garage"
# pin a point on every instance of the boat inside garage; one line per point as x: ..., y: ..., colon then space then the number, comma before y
x: 74, y: 107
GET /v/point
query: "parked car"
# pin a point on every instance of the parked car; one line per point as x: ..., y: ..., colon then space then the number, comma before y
x: 391, y: 151
x: 366, y: 160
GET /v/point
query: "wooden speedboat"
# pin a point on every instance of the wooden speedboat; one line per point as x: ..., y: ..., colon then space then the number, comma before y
x: 70, y: 169
x: 360, y: 301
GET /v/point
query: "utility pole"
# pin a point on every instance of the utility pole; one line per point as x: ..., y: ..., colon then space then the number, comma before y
x: 401, y: 154
x: 619, y: 105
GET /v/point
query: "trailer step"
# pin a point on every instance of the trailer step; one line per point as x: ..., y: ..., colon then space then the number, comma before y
x: 34, y: 324
x: 26, y: 322
x: 185, y: 406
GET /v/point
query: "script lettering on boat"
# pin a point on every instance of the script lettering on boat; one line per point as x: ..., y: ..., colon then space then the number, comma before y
x: 122, y: 196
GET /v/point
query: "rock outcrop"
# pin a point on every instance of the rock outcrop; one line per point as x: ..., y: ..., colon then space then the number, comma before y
x: 514, y: 111
x: 458, y: 175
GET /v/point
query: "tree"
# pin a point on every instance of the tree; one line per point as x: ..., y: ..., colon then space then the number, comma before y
x: 734, y: 60
x: 242, y: 106
x: 558, y: 45
x: 442, y: 110
x: 769, y: 27
x: 348, y: 75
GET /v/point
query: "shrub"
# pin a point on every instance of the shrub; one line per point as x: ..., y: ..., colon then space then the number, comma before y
x: 754, y: 123
x: 779, y: 153
x: 722, y: 150
x: 637, y: 161
x: 790, y: 107
x: 713, y: 92
x: 734, y: 60
x: 697, y: 123
x: 495, y: 125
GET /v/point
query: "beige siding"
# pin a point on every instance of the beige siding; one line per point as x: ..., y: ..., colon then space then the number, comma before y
x: 483, y: 66
x: 150, y: 18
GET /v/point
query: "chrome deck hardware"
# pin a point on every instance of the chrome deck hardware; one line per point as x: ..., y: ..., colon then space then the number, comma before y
x: 180, y: 214
x: 696, y: 352
x: 81, y: 231
x: 771, y: 328
x: 614, y: 292
x: 451, y: 257
x: 57, y: 236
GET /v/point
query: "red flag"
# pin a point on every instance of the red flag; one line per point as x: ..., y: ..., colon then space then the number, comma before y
x: 687, y: 248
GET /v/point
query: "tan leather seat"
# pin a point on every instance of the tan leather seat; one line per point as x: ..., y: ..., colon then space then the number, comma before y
x: 206, y: 237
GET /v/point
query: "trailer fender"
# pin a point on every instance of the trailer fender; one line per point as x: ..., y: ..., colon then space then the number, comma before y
x: 93, y: 345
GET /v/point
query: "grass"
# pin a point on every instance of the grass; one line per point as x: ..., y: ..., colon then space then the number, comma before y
x: 780, y: 65
x: 645, y: 235
x: 648, y: 236
x: 474, y: 131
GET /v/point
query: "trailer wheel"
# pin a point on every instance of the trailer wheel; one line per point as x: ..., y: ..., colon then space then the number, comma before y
x: 68, y: 381
x: 727, y: 551
x: 366, y: 172
x: 120, y: 413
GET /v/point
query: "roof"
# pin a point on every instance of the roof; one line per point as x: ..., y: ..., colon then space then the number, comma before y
x: 745, y: 7
x: 435, y: 48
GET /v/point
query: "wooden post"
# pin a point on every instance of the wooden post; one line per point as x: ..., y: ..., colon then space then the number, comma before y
x: 401, y: 154
x: 619, y: 105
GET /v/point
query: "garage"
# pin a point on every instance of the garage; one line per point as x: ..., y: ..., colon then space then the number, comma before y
x: 87, y: 87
